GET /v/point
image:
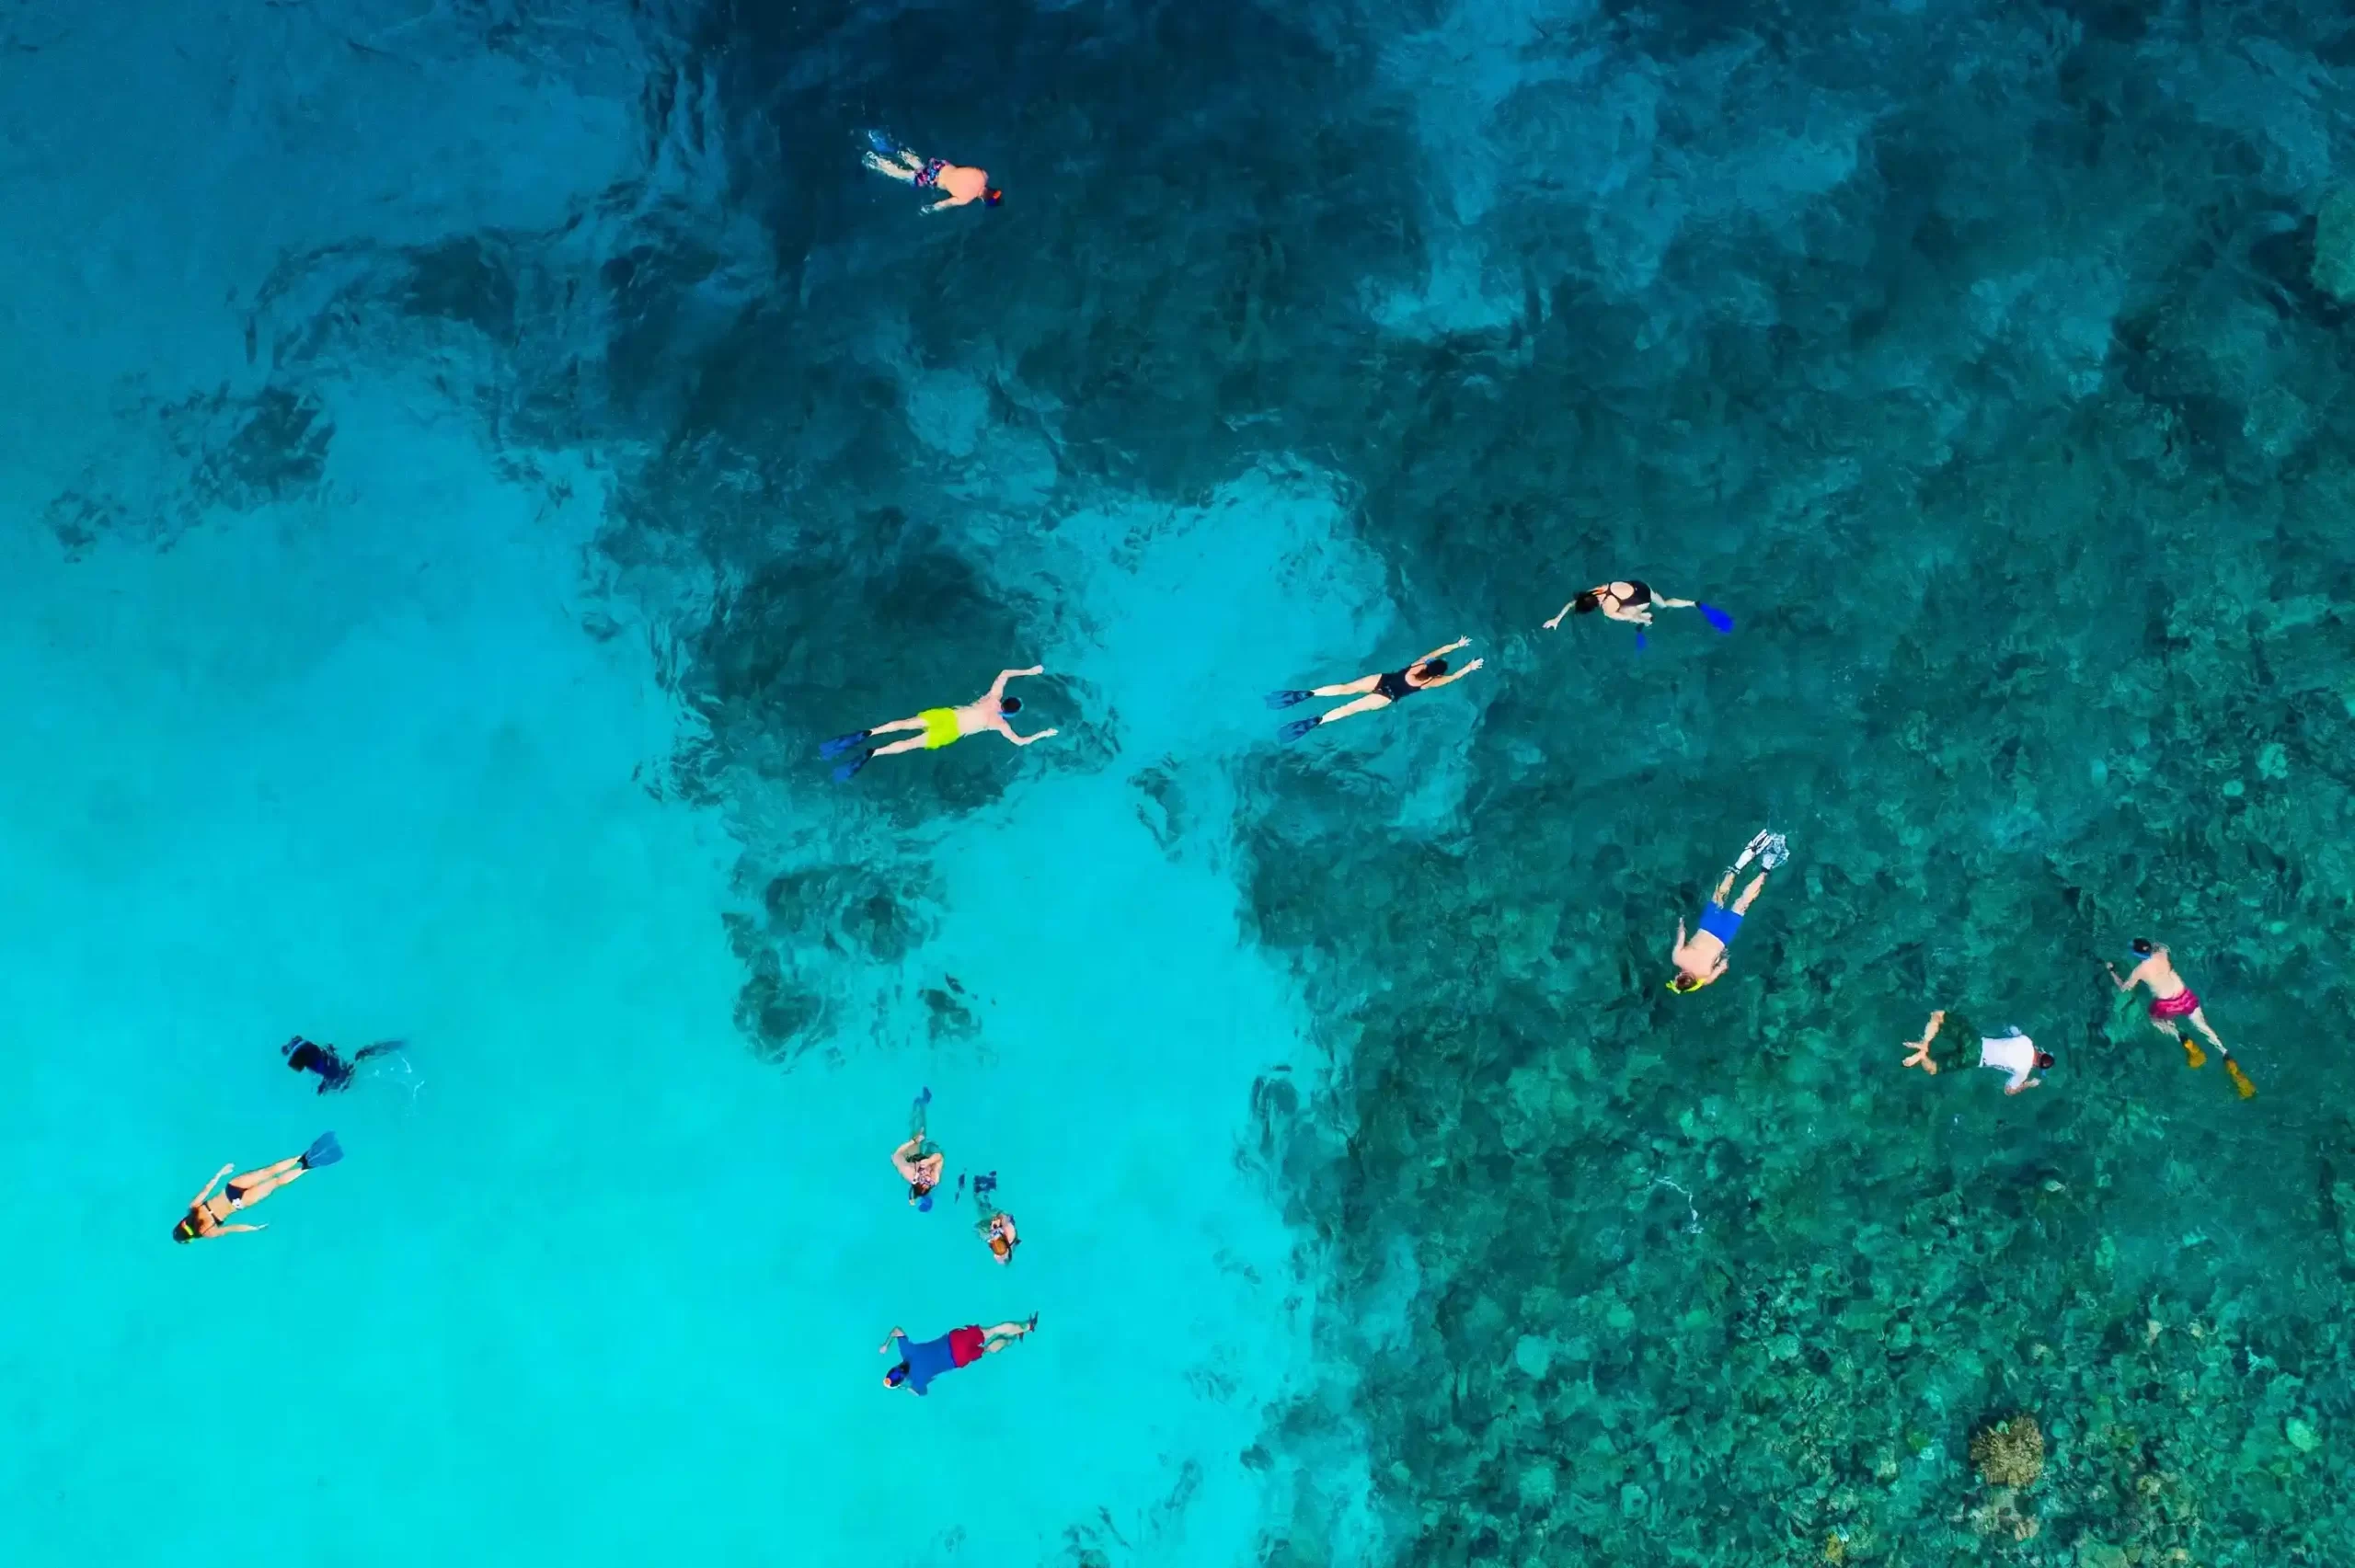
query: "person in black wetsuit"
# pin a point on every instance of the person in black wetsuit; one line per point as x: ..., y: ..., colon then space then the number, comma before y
x: 1374, y: 692
x: 335, y: 1073
x: 1625, y: 599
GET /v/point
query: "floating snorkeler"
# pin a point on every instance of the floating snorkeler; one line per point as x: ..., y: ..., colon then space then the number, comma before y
x: 1701, y: 957
x: 208, y: 1215
x: 1374, y: 691
x: 335, y: 1073
x: 941, y: 727
x: 2010, y: 1052
x: 1631, y: 601
x: 921, y: 1361
x: 959, y: 186
x: 919, y: 1160
x: 2173, y: 997
x: 995, y: 1225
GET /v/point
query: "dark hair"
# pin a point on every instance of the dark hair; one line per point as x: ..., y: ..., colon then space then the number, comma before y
x: 2044, y: 1059
x: 184, y: 1228
x: 917, y: 1189
x: 1589, y: 600
x: 1434, y: 668
x: 1009, y: 705
x: 2143, y: 944
x: 897, y: 1375
x: 303, y: 1056
x: 993, y: 196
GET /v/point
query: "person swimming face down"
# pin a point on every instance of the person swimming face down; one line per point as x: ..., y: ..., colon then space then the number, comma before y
x: 304, y: 1056
x: 896, y: 1376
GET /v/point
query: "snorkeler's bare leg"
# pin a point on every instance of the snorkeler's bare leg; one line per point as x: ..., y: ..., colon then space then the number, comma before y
x: 268, y: 1173
x: 891, y: 167
x: 2199, y: 1022
x: 1346, y: 688
x: 1749, y: 894
x: 997, y: 1338
x: 1724, y: 886
x: 1365, y: 704
x: 914, y: 743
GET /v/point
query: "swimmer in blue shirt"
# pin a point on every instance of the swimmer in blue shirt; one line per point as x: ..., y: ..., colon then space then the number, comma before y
x: 921, y: 1361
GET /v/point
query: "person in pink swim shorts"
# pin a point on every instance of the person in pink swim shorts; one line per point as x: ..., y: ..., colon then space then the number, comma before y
x: 2172, y: 997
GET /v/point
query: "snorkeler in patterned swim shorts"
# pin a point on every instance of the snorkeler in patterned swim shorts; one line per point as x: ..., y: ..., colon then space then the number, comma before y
x: 940, y: 727
x: 958, y: 185
x: 1701, y: 957
x: 2173, y: 997
x: 2011, y: 1053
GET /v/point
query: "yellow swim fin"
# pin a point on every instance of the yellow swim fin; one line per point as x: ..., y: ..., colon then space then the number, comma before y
x: 2240, y: 1079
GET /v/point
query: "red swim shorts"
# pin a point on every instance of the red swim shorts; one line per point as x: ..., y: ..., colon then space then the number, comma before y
x: 2182, y: 1004
x: 965, y: 1345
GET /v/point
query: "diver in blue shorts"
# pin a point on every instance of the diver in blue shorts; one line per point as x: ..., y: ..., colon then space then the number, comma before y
x: 1701, y: 957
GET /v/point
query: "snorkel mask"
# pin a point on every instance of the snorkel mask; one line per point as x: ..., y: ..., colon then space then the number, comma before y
x: 993, y: 196
x: 1686, y: 985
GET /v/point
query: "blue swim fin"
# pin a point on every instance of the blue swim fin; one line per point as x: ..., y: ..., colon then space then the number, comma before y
x: 1717, y: 617
x: 324, y: 1150
x: 1286, y: 699
x: 849, y: 769
x: 1297, y: 728
x: 842, y: 743
x: 1640, y: 644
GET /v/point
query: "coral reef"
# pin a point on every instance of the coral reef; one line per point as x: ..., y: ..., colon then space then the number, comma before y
x: 2010, y: 1453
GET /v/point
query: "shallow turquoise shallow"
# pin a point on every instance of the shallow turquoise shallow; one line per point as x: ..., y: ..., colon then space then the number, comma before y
x: 461, y: 459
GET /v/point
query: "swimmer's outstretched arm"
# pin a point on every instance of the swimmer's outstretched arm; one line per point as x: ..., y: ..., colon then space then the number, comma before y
x: 1007, y: 730
x: 1443, y: 652
x: 1454, y: 674
x: 945, y: 202
x: 997, y: 687
x: 206, y: 1190
x: 897, y: 1332
x: 2126, y: 982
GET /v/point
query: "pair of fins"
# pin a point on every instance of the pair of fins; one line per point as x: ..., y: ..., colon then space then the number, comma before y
x: 842, y: 745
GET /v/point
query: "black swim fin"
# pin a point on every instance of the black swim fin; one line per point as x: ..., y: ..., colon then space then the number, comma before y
x: 1297, y: 728
x: 1287, y: 699
x: 323, y: 1152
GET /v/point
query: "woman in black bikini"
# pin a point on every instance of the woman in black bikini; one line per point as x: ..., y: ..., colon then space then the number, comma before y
x: 1623, y: 601
x: 208, y: 1215
x: 1374, y: 692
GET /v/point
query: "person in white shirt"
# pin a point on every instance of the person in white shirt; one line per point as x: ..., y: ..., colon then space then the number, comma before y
x: 2010, y: 1052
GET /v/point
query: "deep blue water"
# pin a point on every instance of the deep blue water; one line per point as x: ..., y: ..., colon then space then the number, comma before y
x: 464, y: 455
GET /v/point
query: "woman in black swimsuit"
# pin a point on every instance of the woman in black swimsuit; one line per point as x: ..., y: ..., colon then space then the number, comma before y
x: 1374, y: 692
x: 1623, y: 600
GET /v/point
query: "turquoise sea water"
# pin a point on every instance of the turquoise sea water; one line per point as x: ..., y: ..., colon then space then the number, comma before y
x: 463, y: 456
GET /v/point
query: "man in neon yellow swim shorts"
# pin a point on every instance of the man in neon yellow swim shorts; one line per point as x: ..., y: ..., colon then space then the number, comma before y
x: 938, y: 727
